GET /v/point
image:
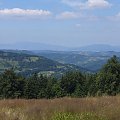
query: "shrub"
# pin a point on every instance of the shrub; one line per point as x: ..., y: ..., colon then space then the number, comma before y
x: 82, y: 116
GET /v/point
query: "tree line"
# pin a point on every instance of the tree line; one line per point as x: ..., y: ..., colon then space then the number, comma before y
x: 74, y: 84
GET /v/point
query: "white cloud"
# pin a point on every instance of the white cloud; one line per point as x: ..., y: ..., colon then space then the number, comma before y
x: 114, y: 17
x: 24, y: 12
x: 118, y: 15
x: 78, y: 25
x: 68, y: 15
x: 75, y: 15
x: 89, y: 4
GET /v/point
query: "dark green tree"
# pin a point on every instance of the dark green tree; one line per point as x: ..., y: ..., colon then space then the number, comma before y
x: 109, y: 77
x: 11, y: 85
x: 35, y: 87
x: 57, y: 90
x: 71, y: 80
x: 32, y: 86
x: 91, y: 84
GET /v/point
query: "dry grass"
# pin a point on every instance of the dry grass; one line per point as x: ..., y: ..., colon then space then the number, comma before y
x: 106, y: 107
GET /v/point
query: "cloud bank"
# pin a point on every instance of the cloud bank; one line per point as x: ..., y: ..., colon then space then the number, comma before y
x: 116, y: 17
x: 24, y: 12
x: 89, y: 4
x: 68, y: 15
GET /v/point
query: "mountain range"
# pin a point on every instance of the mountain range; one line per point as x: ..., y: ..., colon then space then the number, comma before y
x: 32, y: 46
x: 90, y: 58
x: 98, y: 47
x: 41, y: 46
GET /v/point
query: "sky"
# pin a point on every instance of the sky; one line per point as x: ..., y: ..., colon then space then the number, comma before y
x: 70, y: 23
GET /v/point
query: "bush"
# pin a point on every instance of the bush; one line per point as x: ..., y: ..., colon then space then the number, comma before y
x: 83, y: 116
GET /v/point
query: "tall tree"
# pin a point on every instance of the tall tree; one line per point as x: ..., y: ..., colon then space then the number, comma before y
x: 70, y: 81
x: 11, y: 85
x: 109, y: 77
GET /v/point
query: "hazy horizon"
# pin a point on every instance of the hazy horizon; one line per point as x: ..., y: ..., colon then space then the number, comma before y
x: 69, y: 23
x: 31, y: 46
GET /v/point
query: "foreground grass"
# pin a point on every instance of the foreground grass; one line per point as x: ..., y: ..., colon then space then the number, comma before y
x: 104, y: 108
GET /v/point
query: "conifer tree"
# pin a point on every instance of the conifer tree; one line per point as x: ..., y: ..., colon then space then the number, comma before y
x: 109, y: 77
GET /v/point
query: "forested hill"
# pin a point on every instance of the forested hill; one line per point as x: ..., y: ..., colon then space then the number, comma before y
x: 92, y: 61
x: 28, y: 64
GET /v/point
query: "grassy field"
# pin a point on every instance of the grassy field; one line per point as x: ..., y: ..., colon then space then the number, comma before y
x: 101, y: 108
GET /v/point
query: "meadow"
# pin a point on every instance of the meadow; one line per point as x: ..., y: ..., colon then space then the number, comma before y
x: 98, y: 108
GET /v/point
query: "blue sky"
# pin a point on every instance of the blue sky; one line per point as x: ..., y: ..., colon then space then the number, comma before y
x: 70, y: 23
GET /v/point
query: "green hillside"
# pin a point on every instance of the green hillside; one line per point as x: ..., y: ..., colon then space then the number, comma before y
x: 27, y: 64
x: 85, y: 60
x: 93, y: 61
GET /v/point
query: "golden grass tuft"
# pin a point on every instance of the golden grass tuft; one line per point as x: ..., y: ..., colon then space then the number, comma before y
x: 106, y: 108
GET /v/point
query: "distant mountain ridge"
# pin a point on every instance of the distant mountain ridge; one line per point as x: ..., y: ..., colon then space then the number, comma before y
x: 32, y: 46
x: 98, y: 47
x: 49, y: 47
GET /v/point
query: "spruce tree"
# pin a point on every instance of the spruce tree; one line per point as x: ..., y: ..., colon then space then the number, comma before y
x: 109, y: 77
